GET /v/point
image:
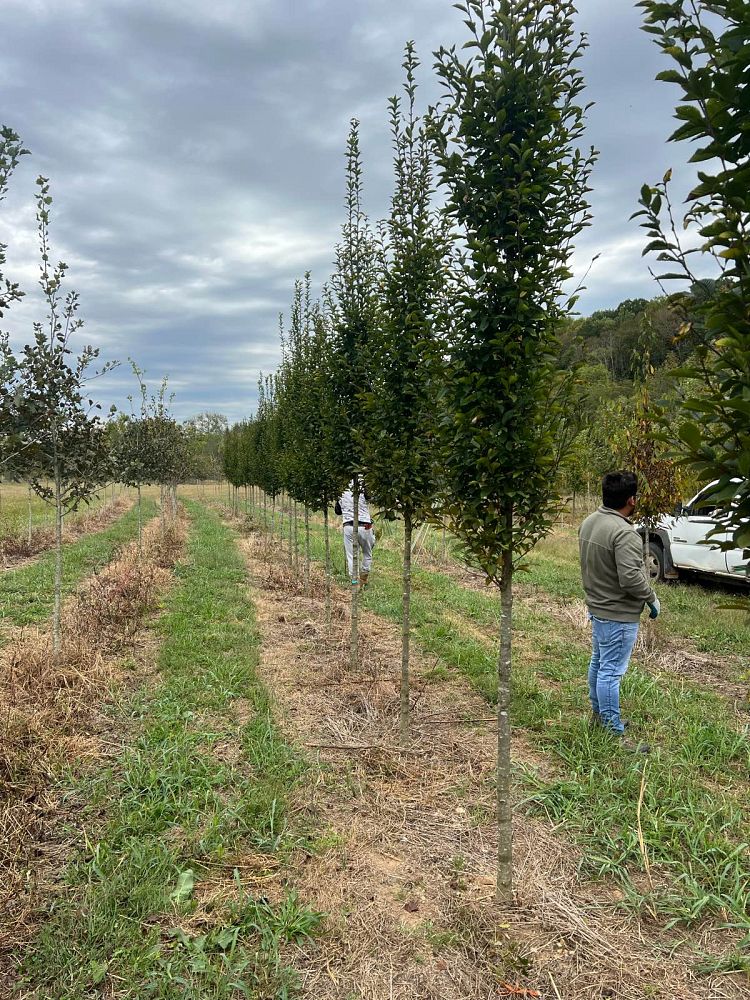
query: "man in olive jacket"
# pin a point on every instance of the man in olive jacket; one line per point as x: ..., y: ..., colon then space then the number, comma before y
x: 617, y: 590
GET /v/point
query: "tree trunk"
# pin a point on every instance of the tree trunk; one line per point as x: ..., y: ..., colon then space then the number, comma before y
x: 296, y: 538
x: 56, y: 612
x: 354, y: 646
x: 504, y: 807
x: 140, y: 521
x: 31, y: 520
x: 445, y: 545
x: 327, y: 536
x: 404, y: 716
x: 307, y: 551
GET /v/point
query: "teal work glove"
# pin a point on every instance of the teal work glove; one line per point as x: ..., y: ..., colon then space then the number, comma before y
x: 654, y: 608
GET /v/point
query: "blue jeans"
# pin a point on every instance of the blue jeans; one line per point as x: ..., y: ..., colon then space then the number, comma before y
x: 612, y: 646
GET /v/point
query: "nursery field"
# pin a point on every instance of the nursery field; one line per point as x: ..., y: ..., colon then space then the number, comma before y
x: 199, y: 799
x: 27, y: 522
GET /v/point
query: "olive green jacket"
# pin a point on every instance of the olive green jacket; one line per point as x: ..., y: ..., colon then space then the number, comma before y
x: 614, y: 579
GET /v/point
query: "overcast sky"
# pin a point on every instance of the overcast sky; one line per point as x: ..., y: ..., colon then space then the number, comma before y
x: 195, y: 151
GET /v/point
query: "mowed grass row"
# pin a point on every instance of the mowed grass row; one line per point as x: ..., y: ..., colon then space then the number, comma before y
x: 696, y: 809
x: 154, y: 907
x: 27, y: 594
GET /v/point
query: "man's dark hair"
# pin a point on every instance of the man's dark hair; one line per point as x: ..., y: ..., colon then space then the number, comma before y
x: 618, y: 488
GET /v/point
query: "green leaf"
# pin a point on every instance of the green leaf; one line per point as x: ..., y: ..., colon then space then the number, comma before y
x: 691, y: 435
x: 185, y: 886
x: 98, y: 971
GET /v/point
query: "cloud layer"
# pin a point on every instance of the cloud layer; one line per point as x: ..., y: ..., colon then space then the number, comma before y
x: 196, y: 158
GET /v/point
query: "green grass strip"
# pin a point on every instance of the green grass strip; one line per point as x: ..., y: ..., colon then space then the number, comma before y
x: 696, y: 810
x: 27, y: 594
x: 176, y: 805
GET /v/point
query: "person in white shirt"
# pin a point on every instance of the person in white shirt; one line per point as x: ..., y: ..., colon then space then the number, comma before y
x: 345, y: 507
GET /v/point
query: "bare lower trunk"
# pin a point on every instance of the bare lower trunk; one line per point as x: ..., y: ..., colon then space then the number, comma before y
x: 140, y: 522
x: 445, y: 544
x: 404, y: 715
x: 504, y: 807
x: 296, y: 538
x: 327, y: 536
x: 307, y: 551
x: 354, y: 647
x: 56, y: 612
x: 31, y: 521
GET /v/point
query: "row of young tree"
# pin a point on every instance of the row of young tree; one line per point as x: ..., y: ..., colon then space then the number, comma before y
x: 52, y: 433
x: 433, y: 369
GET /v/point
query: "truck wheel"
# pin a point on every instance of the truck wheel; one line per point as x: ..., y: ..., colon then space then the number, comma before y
x: 655, y: 561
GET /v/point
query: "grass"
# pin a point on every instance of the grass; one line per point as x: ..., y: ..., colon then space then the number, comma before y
x: 15, y: 505
x: 26, y: 594
x: 138, y: 915
x: 696, y: 808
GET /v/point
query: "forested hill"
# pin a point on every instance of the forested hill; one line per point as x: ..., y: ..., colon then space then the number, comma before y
x: 615, y: 338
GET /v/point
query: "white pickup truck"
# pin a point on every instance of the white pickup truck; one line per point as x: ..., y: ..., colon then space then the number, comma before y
x: 678, y: 544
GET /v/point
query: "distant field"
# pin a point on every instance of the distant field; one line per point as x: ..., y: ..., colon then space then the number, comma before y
x: 16, y: 505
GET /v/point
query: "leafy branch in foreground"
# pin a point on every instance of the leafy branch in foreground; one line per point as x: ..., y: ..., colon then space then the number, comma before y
x: 708, y: 45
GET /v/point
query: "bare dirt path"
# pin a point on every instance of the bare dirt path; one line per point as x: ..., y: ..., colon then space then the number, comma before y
x: 409, y: 880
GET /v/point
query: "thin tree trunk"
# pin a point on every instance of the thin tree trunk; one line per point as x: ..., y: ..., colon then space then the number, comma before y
x: 445, y: 544
x: 354, y: 646
x: 404, y: 716
x: 31, y: 521
x: 296, y: 538
x: 307, y: 551
x: 504, y: 807
x: 56, y: 613
x: 140, y: 521
x: 327, y: 536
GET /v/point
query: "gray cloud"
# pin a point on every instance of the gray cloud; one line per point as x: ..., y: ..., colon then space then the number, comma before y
x: 196, y: 158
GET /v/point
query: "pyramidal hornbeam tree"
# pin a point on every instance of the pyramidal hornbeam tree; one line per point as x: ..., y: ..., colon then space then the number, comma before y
x: 354, y: 308
x: 405, y: 350
x: 506, y: 138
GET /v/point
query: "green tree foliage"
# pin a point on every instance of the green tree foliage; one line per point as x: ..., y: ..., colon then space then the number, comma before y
x: 66, y: 442
x: 708, y: 45
x: 14, y: 421
x: 354, y: 316
x: 405, y: 353
x: 207, y: 432
x: 507, y: 147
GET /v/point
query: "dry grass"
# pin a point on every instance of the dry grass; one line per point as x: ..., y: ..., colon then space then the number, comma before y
x: 17, y: 547
x: 409, y: 884
x: 50, y: 714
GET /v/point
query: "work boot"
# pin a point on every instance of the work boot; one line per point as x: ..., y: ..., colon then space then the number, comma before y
x: 596, y: 720
x: 364, y: 576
